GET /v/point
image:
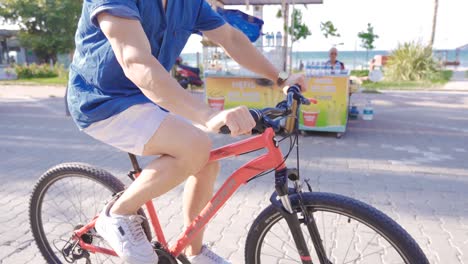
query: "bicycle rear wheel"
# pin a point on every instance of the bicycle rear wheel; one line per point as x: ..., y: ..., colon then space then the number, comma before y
x: 351, y: 232
x: 65, y: 198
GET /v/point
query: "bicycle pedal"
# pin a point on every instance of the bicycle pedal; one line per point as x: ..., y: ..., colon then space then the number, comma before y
x: 164, y: 256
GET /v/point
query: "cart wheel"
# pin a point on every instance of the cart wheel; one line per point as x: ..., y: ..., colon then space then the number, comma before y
x: 339, y: 135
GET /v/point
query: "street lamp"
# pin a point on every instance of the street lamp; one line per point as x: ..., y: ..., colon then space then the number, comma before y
x: 338, y: 44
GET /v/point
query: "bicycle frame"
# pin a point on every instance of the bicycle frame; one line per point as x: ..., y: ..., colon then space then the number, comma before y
x: 273, y: 159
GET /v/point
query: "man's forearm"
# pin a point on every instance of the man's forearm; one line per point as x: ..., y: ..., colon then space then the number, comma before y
x: 133, y: 52
x: 157, y: 84
x: 243, y: 52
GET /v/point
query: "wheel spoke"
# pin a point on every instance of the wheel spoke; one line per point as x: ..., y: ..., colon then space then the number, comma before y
x: 370, y: 254
x: 324, y: 238
x: 350, y: 243
x: 282, y: 238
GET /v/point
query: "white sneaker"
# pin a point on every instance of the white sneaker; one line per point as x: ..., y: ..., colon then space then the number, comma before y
x: 207, y: 256
x: 126, y: 236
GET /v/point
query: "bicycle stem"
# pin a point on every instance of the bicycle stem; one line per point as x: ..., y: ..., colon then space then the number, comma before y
x: 291, y: 120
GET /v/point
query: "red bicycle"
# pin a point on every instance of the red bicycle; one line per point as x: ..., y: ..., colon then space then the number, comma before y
x: 298, y: 227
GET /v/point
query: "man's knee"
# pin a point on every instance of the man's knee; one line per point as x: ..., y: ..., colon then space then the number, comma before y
x: 197, y: 153
x: 212, y: 168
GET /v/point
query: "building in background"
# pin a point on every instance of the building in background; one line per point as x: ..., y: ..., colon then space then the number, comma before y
x: 11, y: 50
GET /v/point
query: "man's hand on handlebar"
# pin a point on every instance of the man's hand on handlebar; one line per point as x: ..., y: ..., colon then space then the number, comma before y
x: 295, y: 79
x: 238, y: 120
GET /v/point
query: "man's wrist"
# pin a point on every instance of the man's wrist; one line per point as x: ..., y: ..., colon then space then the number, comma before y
x: 207, y: 115
x: 281, y: 78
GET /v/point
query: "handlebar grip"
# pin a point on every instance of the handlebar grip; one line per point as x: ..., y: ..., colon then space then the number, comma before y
x: 294, y: 89
x: 256, y: 115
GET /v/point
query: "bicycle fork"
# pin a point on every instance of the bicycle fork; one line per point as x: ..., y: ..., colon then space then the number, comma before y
x: 283, y: 205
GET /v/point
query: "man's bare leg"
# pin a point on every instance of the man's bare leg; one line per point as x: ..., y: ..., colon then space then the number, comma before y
x: 184, y: 151
x: 197, y: 193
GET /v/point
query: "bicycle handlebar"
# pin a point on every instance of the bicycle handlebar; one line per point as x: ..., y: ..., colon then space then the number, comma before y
x: 268, y: 117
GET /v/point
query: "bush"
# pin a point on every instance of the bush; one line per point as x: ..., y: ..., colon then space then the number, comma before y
x: 442, y: 76
x: 61, y: 71
x: 360, y: 73
x: 38, y: 71
x: 23, y: 72
x: 411, y: 62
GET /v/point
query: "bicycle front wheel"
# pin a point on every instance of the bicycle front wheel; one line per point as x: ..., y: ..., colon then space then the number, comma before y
x: 65, y: 198
x: 351, y: 232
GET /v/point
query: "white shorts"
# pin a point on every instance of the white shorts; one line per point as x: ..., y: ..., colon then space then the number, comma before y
x: 129, y: 130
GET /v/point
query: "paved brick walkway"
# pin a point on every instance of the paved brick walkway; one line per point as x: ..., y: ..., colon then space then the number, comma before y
x: 410, y: 162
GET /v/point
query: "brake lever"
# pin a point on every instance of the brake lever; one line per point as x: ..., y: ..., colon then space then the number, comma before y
x: 304, y: 100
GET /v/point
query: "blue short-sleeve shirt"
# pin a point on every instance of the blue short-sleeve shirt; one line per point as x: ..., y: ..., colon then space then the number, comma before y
x: 98, y: 87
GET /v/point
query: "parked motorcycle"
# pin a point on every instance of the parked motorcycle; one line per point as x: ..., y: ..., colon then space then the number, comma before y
x: 186, y: 75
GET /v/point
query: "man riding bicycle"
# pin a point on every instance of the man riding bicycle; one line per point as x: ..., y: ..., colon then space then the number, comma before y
x: 121, y: 93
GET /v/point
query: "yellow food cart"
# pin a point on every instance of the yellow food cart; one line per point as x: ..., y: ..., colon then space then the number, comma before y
x: 330, y: 114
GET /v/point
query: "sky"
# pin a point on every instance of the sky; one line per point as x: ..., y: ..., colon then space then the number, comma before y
x: 394, y: 21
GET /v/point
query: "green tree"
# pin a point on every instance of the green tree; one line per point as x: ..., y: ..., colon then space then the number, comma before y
x: 329, y: 30
x: 298, y: 29
x: 367, y: 39
x: 47, y: 26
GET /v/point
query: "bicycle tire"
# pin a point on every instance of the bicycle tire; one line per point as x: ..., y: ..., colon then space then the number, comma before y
x: 46, y: 183
x: 326, y: 203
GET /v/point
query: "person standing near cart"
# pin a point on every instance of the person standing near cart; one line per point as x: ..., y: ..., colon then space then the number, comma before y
x: 332, y: 62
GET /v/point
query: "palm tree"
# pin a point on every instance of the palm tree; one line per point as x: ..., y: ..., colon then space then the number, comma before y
x: 434, y: 22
